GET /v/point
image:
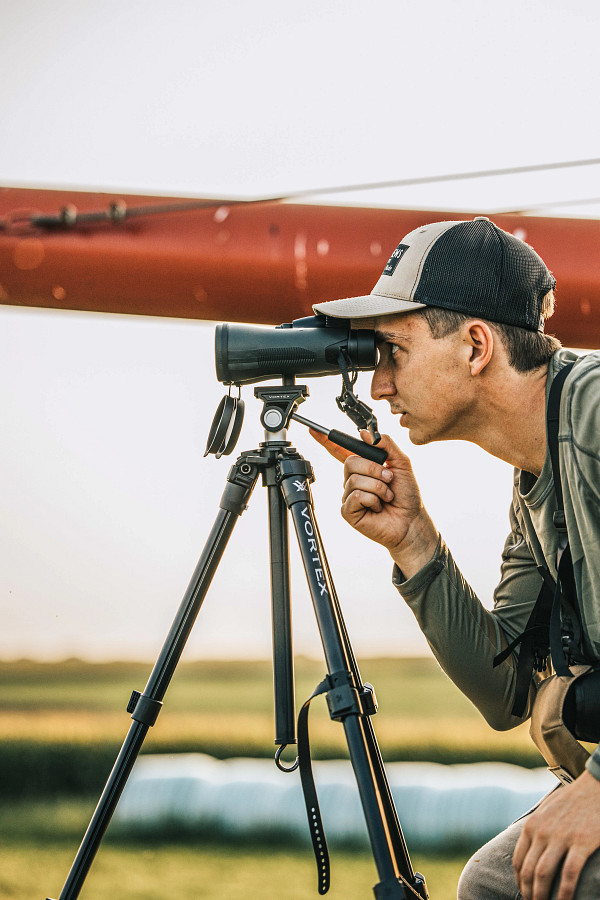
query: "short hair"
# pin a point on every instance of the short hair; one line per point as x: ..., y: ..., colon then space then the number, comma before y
x: 526, y: 350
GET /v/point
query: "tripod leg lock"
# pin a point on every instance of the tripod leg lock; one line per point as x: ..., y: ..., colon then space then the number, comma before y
x: 342, y: 696
x: 343, y: 699
x: 143, y: 709
x: 235, y: 497
x: 240, y: 483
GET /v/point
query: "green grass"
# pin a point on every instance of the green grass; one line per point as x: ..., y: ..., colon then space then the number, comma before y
x: 40, y: 840
x: 143, y: 872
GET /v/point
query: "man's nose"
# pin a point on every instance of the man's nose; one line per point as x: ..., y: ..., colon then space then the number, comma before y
x: 382, y: 385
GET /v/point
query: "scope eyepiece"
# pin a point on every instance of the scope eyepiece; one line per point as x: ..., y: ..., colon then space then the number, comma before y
x: 247, y: 354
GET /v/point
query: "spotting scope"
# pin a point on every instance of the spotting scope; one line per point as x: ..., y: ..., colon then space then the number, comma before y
x: 312, y: 346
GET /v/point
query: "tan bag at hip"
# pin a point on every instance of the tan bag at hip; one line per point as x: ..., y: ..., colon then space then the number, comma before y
x: 564, y: 754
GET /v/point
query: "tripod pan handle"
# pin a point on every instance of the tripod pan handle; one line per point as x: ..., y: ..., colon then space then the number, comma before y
x: 361, y: 448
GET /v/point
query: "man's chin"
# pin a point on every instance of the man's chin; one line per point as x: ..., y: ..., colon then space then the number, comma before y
x: 413, y: 434
x: 416, y: 437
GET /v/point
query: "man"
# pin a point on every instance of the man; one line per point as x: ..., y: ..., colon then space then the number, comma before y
x: 459, y: 314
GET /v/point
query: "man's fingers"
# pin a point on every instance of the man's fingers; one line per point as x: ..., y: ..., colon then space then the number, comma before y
x: 357, y: 502
x: 358, y: 465
x: 536, y: 865
x: 526, y: 876
x: 573, y: 864
x: 557, y: 840
x: 543, y: 875
x: 520, y: 852
x: 523, y: 872
x: 396, y: 458
x: 367, y: 484
x: 536, y: 860
x: 337, y: 452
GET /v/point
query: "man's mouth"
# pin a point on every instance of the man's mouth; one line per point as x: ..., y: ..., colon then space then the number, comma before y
x: 398, y: 411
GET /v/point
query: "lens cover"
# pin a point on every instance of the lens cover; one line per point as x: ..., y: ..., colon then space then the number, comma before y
x: 226, y: 427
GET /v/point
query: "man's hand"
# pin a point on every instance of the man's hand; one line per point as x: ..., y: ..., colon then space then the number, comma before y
x: 564, y: 829
x: 384, y: 503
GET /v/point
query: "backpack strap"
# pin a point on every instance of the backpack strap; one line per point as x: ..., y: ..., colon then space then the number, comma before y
x: 565, y: 628
x: 547, y: 632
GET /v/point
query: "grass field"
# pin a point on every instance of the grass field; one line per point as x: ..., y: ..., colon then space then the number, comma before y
x: 175, y: 872
x: 39, y: 842
x: 62, y: 725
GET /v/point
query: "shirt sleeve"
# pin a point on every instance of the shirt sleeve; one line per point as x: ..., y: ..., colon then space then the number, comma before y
x: 465, y: 636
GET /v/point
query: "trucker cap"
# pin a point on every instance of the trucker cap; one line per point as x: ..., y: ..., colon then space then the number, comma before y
x: 470, y: 267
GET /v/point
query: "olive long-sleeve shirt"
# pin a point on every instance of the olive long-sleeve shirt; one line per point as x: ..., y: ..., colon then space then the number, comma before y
x: 464, y: 635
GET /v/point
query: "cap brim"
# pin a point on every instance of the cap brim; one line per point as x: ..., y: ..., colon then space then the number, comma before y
x: 366, y: 307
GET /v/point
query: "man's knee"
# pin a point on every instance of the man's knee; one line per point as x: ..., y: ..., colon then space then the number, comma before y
x: 480, y: 881
x: 489, y: 873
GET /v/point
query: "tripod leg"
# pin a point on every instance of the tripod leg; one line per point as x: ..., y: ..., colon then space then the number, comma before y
x: 396, y: 836
x: 345, y: 699
x: 146, y: 706
x: 283, y: 665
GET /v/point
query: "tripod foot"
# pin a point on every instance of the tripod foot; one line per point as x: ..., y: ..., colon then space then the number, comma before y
x: 386, y: 890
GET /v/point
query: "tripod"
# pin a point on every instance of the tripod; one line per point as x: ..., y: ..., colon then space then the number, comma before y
x: 287, y: 477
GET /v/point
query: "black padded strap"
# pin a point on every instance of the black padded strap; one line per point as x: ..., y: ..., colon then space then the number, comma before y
x: 564, y: 621
x: 552, y: 424
x: 544, y: 630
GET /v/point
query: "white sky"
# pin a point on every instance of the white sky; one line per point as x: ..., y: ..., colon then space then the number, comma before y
x: 106, y: 499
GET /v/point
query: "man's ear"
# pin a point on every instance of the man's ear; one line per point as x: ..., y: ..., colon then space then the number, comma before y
x: 480, y: 338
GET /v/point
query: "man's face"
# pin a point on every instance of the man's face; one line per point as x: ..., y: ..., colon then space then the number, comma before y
x: 425, y: 380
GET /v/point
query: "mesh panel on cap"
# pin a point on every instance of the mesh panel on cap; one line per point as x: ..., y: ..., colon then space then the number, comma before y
x: 526, y: 281
x: 478, y: 269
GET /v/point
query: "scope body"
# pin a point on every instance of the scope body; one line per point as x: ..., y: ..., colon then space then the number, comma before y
x: 247, y: 354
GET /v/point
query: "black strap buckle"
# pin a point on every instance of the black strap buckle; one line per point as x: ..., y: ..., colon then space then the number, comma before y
x: 559, y: 520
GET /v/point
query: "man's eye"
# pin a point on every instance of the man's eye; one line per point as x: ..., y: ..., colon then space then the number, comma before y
x: 394, y: 348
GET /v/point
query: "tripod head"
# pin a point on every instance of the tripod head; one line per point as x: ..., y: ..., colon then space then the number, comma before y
x: 280, y: 405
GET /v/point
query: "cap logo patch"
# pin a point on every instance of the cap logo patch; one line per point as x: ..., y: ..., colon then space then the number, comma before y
x: 395, y: 259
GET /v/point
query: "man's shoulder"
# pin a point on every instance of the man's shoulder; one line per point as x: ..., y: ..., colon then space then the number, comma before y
x: 588, y: 362
x: 580, y: 416
x: 582, y: 385
x: 582, y: 382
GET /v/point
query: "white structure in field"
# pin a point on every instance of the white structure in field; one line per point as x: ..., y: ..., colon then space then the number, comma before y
x: 439, y: 806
